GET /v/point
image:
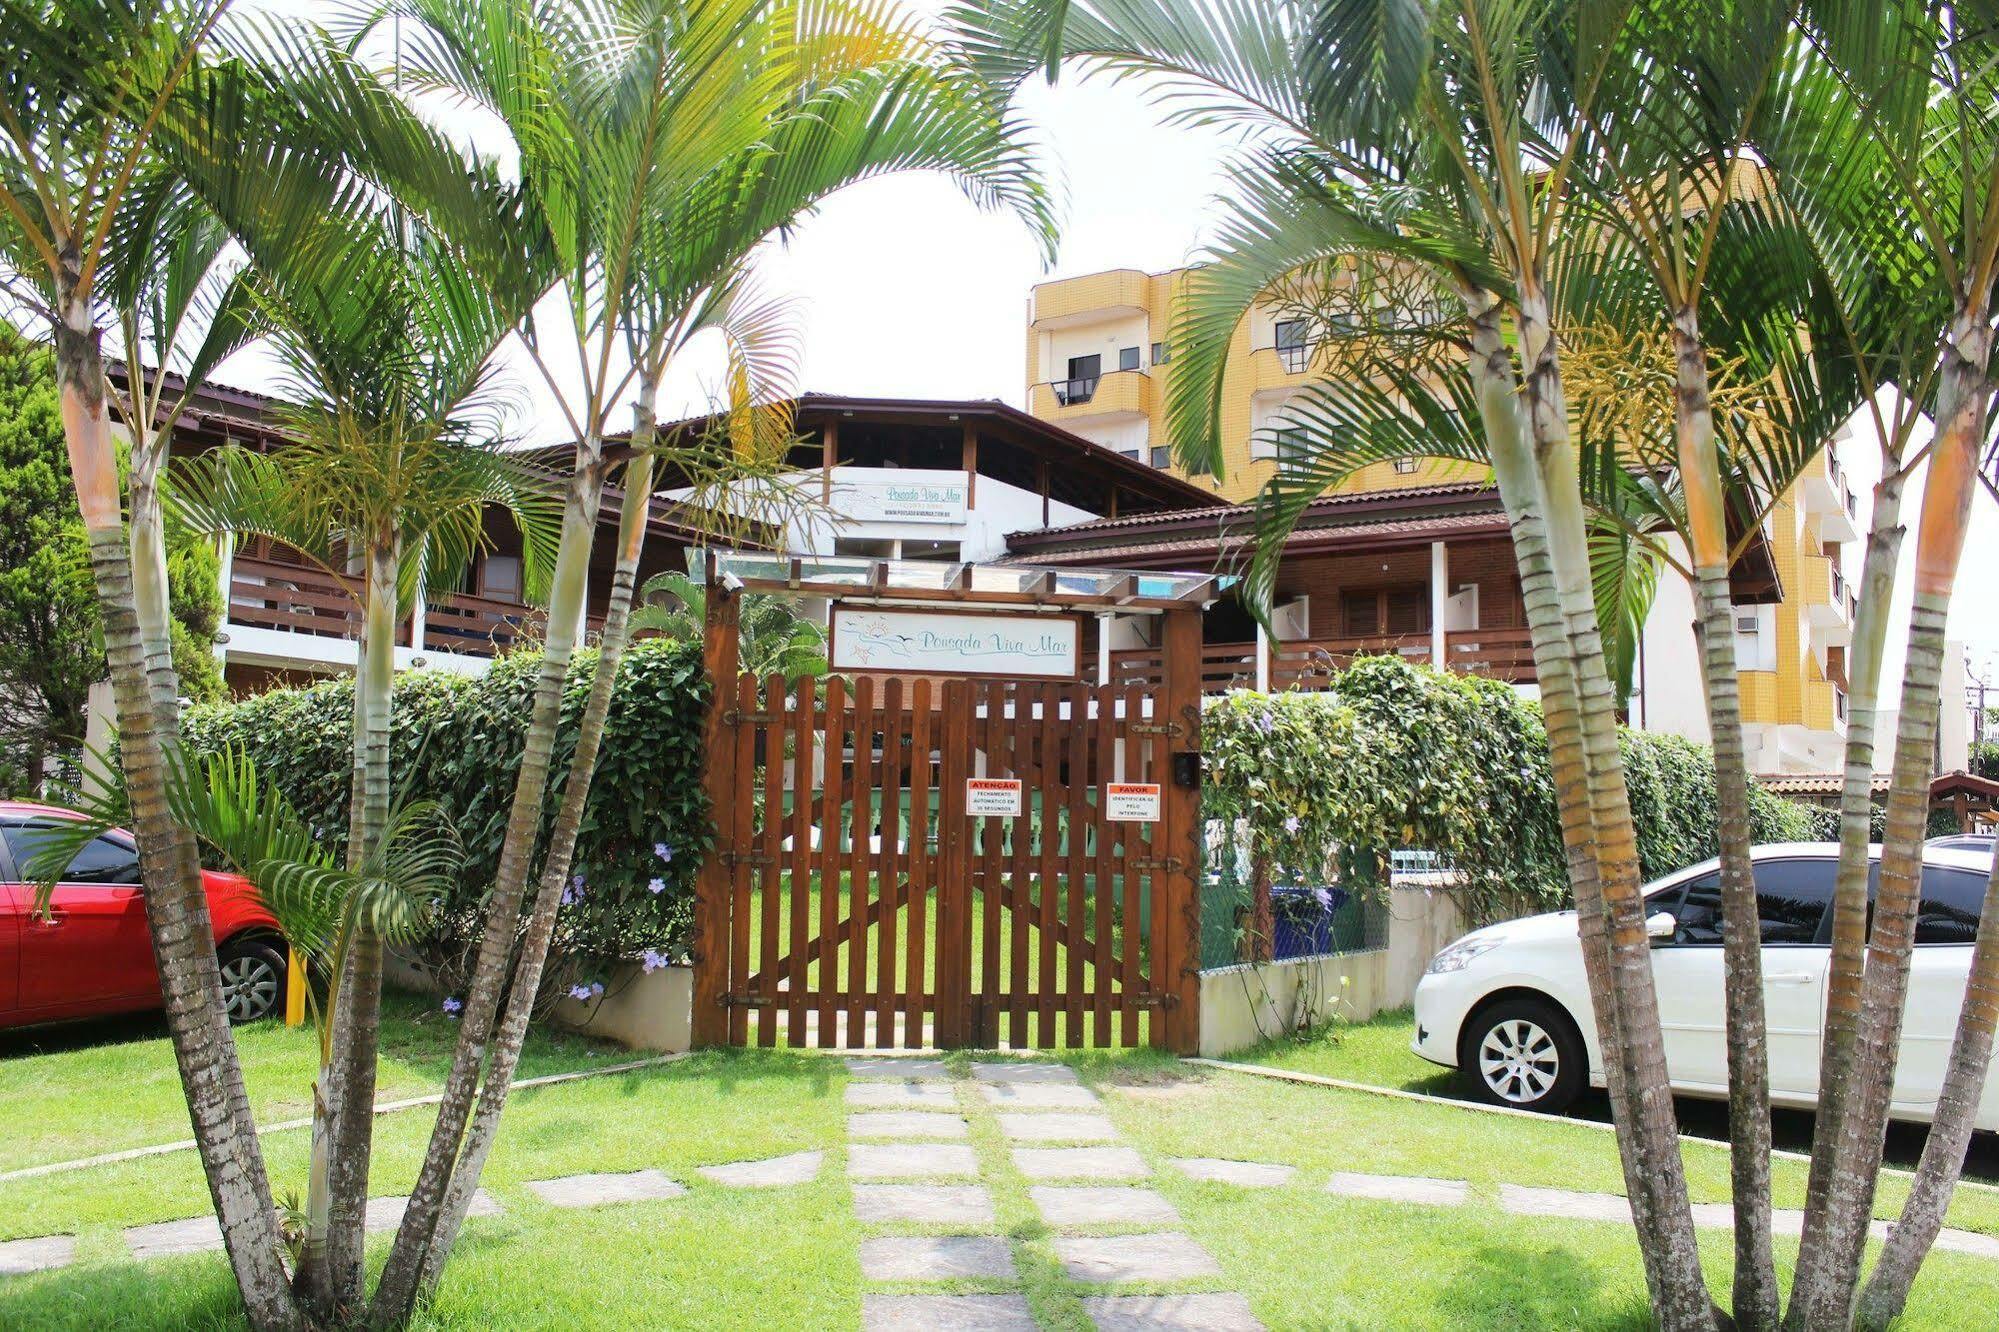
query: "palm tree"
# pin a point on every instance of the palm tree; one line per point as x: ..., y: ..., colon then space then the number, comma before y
x: 772, y: 639
x: 1444, y: 136
x: 658, y: 146
x: 91, y: 87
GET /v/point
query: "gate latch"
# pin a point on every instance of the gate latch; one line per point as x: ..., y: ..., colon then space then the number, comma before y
x: 737, y: 717
x: 757, y: 858
x: 1153, y: 728
x: 1165, y: 865
x: 746, y: 1000
x: 1156, y: 999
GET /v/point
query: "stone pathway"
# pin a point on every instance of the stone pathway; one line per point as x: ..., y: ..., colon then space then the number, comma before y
x: 1082, y: 1181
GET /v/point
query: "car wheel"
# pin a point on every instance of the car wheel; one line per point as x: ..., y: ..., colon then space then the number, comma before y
x: 253, y: 979
x: 1525, y: 1053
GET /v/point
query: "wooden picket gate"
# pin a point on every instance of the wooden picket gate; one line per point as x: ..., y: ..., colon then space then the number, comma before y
x: 863, y: 905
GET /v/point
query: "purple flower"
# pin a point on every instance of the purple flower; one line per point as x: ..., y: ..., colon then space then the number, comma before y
x: 453, y: 1006
x: 663, y: 851
x: 569, y: 895
x: 654, y: 959
x: 585, y: 992
x: 1265, y: 723
x: 576, y: 881
x: 1291, y: 824
x: 656, y: 886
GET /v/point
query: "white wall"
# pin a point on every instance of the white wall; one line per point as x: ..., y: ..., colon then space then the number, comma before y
x: 1666, y: 687
x: 1103, y: 339
x: 1133, y: 437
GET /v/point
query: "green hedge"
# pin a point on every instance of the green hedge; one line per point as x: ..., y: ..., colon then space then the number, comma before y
x: 458, y: 741
x: 1396, y: 755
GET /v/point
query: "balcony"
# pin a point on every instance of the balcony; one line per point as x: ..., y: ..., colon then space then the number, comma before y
x: 1119, y: 293
x: 1828, y: 601
x: 1120, y: 395
x: 1827, y: 493
x: 296, y: 615
x: 1308, y: 664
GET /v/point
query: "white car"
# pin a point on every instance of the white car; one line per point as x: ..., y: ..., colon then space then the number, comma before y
x: 1509, y: 1003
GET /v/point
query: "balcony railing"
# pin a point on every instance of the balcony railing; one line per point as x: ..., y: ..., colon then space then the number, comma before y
x: 1295, y: 357
x: 1070, y: 392
x: 1500, y: 654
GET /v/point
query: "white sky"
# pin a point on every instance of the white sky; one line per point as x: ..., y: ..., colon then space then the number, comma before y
x: 904, y: 289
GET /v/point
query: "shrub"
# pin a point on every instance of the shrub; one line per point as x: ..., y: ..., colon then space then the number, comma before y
x: 458, y: 741
x: 1395, y: 755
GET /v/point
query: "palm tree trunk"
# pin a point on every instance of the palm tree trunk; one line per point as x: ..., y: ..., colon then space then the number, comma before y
x: 1520, y: 488
x: 526, y: 982
x: 1849, y: 904
x: 1923, y: 1211
x: 357, y: 1020
x: 1947, y: 496
x: 1655, y: 1174
x: 396, y: 1292
x: 1756, y: 1303
x: 176, y: 907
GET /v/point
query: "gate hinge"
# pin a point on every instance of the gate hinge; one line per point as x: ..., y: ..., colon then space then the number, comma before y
x: 1158, y: 999
x: 757, y: 858
x: 736, y: 717
x: 1154, y: 728
x: 746, y: 1000
x: 1167, y: 865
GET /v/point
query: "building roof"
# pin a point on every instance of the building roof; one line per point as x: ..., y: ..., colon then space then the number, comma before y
x: 1044, y: 438
x: 1831, y: 784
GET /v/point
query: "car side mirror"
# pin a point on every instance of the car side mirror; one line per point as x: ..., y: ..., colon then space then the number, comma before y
x: 1661, y: 926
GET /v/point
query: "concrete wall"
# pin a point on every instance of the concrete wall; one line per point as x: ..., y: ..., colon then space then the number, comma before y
x: 1243, y: 1005
x: 644, y: 1010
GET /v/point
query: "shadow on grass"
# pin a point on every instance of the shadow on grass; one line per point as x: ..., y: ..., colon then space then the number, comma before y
x: 1515, y: 1285
x: 187, y: 1294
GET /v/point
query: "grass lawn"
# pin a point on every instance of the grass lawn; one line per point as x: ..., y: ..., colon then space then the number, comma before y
x: 787, y: 1258
x: 81, y: 1090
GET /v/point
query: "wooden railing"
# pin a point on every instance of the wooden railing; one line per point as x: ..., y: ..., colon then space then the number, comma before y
x: 476, y: 626
x: 1502, y: 654
x: 297, y: 598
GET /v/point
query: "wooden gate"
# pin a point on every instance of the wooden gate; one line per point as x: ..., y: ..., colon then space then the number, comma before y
x: 855, y: 896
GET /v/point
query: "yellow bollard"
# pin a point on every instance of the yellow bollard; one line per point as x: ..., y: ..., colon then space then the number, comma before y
x: 295, y: 983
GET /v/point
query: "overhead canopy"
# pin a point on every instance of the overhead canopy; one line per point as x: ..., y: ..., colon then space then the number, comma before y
x: 935, y: 582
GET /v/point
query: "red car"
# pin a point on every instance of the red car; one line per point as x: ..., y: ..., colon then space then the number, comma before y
x: 93, y: 956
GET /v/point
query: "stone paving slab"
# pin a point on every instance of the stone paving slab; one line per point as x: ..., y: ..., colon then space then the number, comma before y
x: 1046, y: 1096
x: 1169, y: 1313
x: 936, y: 1258
x: 1166, y: 1256
x: 772, y: 1172
x: 910, y: 1160
x: 946, y: 1313
x: 1080, y: 1163
x: 1242, y: 1174
x: 1057, y: 1127
x: 36, y: 1255
x: 902, y: 1095
x: 1400, y: 1188
x: 898, y: 1070
x: 196, y: 1234
x: 387, y: 1213
x: 598, y: 1190
x: 905, y: 1124
x: 1524, y: 1201
x: 1025, y: 1074
x: 1087, y: 1206
x: 937, y: 1204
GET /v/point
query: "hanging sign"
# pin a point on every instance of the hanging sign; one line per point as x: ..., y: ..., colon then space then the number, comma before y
x: 944, y: 642
x: 992, y: 796
x: 1132, y: 802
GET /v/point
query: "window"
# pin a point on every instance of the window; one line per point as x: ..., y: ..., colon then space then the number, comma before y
x: 1791, y: 901
x: 1374, y: 612
x: 1791, y: 898
x: 930, y: 550
x: 1162, y: 455
x: 1081, y: 385
x: 109, y: 859
x: 1292, y: 348
x: 1405, y: 466
x: 1127, y: 358
x: 1747, y: 622
x: 1950, y: 904
x: 1161, y: 353
x: 1292, y: 443
x: 501, y: 576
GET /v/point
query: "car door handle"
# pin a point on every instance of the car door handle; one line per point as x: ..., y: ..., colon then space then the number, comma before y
x: 1791, y: 978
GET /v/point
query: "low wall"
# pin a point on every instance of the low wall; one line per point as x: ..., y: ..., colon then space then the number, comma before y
x: 1242, y: 1005
x: 644, y: 1010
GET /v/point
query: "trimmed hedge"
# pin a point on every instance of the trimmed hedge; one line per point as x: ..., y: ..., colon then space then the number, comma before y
x: 1396, y: 755
x: 458, y: 741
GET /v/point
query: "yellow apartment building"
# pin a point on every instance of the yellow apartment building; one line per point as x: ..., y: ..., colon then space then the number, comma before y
x: 1099, y: 362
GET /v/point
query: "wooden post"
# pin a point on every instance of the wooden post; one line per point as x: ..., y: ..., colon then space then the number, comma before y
x: 1041, y: 477
x: 971, y: 460
x: 712, y: 884
x: 829, y: 457
x: 1178, y: 890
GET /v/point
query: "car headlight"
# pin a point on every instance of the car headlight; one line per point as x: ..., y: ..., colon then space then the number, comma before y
x: 1459, y: 955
